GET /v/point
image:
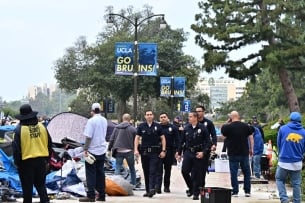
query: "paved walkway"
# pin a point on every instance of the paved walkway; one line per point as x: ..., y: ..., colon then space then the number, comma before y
x: 260, y: 192
x: 264, y: 193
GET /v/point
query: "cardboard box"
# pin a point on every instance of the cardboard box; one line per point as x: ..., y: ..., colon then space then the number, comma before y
x: 222, y: 165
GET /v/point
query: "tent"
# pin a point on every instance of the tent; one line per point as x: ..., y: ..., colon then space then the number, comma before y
x: 71, y: 125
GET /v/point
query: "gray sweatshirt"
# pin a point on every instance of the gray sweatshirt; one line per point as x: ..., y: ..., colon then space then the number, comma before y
x: 122, y: 137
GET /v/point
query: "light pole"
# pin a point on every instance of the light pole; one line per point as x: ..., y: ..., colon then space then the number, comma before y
x: 172, y: 97
x: 136, y: 22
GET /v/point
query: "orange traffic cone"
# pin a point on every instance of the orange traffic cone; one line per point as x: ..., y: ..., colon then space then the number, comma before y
x: 269, y: 152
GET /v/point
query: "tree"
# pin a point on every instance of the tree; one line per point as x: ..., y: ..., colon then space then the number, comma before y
x: 91, y: 68
x: 245, y: 37
x: 265, y: 98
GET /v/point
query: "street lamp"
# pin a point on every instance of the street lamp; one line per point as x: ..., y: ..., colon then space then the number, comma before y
x: 136, y: 22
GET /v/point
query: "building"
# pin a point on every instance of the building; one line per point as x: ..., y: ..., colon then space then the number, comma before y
x: 46, y: 89
x: 221, y: 90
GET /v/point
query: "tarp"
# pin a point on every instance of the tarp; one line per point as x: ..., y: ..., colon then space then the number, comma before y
x: 10, y: 172
x: 72, y: 125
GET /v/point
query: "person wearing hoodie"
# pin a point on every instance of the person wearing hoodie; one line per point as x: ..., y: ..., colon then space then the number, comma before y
x: 291, y: 146
x: 121, y: 144
x: 258, y: 149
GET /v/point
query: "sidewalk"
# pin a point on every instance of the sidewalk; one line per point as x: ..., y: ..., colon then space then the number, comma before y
x: 264, y: 193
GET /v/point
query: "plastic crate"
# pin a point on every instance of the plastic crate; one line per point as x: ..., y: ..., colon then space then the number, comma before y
x: 215, y: 195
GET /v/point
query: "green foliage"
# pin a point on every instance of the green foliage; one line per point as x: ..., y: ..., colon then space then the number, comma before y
x: 90, y: 67
x: 247, y: 37
x: 265, y: 98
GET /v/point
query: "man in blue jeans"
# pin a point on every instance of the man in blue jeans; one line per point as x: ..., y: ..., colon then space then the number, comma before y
x: 239, y: 140
x: 122, y: 144
x: 291, y: 145
x: 95, y: 145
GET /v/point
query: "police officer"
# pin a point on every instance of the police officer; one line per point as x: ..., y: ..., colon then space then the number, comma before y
x: 151, y: 150
x: 171, y: 136
x: 178, y: 122
x: 212, y: 134
x: 197, y: 144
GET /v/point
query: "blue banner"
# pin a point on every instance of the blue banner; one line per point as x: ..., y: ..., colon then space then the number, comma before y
x: 186, y: 106
x: 179, y: 86
x: 147, y: 58
x: 166, y: 84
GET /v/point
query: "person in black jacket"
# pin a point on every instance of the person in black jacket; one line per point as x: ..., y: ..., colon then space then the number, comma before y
x: 209, y: 125
x: 255, y: 123
x: 32, y: 148
x: 171, y: 136
x: 152, y: 149
x: 197, y: 145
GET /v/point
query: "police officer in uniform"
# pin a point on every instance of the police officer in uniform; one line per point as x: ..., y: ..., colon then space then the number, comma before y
x: 209, y: 125
x: 151, y: 150
x: 197, y: 145
x: 172, y: 138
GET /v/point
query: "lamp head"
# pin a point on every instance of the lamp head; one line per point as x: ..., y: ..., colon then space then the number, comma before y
x: 163, y: 23
x: 110, y: 21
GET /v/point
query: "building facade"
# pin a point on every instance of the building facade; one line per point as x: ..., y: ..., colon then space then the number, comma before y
x: 44, y: 88
x: 220, y: 90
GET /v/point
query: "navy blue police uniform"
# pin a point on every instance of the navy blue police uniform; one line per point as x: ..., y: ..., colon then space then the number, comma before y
x: 195, y: 139
x: 150, y: 149
x: 172, y: 140
x: 208, y: 124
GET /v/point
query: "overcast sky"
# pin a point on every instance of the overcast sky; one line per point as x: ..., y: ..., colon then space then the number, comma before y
x: 35, y: 33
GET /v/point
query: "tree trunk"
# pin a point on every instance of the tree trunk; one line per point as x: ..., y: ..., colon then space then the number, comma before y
x: 289, y: 90
x: 121, y: 109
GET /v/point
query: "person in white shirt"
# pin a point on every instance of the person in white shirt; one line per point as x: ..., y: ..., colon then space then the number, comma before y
x: 95, y: 145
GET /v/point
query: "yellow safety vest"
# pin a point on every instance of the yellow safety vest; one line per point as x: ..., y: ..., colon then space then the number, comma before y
x: 34, y: 141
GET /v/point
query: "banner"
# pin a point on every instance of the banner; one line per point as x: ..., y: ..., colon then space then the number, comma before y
x: 147, y: 58
x: 166, y: 84
x: 186, y: 106
x: 179, y: 86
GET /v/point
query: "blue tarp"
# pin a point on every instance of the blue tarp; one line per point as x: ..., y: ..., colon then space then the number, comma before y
x: 10, y: 174
x: 7, y: 128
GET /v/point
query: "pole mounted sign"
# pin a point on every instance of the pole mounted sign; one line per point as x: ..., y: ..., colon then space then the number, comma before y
x: 147, y: 60
x: 186, y: 106
x: 166, y: 87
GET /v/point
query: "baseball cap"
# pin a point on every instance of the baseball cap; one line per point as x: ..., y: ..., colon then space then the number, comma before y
x: 295, y: 116
x: 96, y: 106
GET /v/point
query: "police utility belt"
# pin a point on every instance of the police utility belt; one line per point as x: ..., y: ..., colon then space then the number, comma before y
x: 151, y: 149
x: 197, y: 148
